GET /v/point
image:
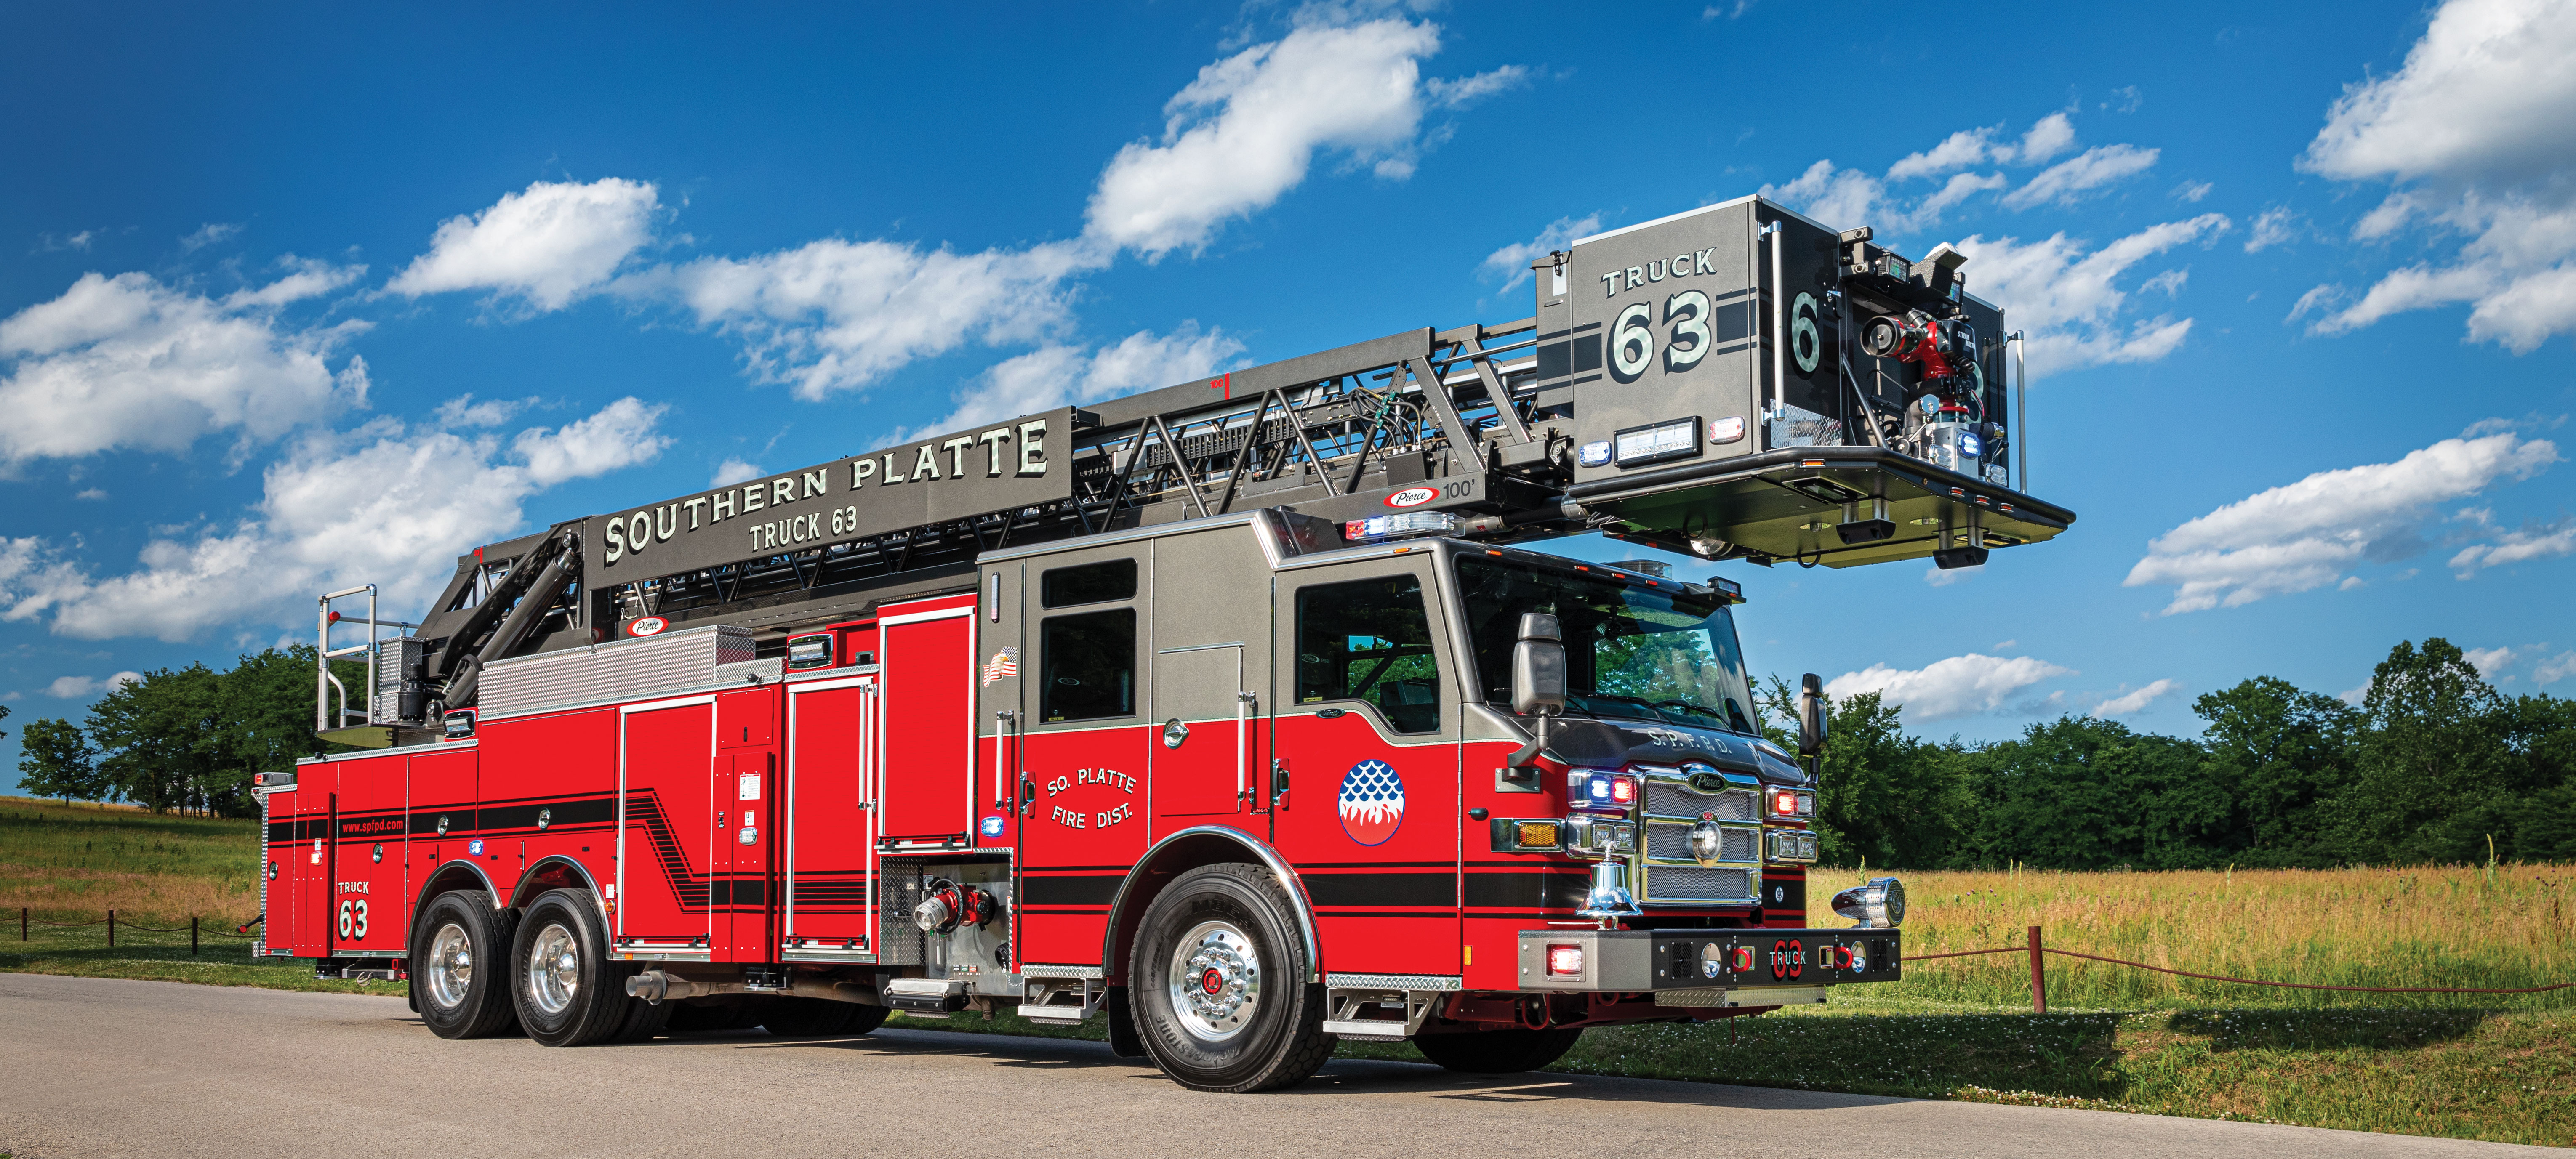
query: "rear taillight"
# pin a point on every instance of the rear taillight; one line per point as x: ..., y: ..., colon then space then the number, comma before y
x: 1564, y: 960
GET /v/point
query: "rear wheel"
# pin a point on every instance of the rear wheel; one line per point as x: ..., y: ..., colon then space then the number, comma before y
x: 1497, y: 1051
x: 1218, y: 983
x: 567, y: 991
x: 460, y: 965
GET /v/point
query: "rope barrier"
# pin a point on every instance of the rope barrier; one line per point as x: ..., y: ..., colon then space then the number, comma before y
x: 2039, y: 976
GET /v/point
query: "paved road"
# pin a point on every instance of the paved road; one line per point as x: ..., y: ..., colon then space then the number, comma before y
x: 93, y: 1066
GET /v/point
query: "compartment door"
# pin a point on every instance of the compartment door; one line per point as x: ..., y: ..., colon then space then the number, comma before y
x: 1203, y: 742
x: 928, y: 797
x: 830, y: 819
x: 744, y: 887
x: 369, y: 905
x: 666, y: 866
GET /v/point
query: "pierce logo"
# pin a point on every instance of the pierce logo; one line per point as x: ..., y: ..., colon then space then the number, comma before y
x: 1372, y: 802
x: 1788, y: 959
x: 648, y: 626
x: 1412, y: 497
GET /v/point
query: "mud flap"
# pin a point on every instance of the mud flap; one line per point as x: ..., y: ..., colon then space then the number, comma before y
x: 1123, y: 1041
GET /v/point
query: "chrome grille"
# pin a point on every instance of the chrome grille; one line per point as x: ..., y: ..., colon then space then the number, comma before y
x: 1671, y: 800
x: 1693, y: 883
x: 1672, y: 842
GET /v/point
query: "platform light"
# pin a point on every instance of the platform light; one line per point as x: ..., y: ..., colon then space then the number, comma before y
x: 1407, y: 523
x: 1564, y: 960
x: 1675, y: 439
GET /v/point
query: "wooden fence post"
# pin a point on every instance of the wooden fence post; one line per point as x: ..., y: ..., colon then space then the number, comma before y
x: 192, y: 935
x: 111, y: 929
x: 2038, y: 976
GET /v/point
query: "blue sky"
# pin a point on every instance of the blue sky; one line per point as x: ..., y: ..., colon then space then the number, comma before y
x: 310, y: 298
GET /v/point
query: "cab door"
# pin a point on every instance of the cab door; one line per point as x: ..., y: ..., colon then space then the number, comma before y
x: 1202, y: 745
x: 1370, y: 735
x: 1210, y: 626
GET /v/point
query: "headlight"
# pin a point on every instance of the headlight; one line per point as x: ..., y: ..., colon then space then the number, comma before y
x: 1878, y: 905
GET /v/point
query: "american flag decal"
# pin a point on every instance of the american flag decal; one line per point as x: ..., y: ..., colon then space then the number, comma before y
x: 1004, y: 663
x: 1372, y: 802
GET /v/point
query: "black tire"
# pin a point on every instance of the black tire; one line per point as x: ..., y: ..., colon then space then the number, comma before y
x: 1497, y: 1051
x: 1261, y: 1024
x: 467, y: 997
x: 576, y: 995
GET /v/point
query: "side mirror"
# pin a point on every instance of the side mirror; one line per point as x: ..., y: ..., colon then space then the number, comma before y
x: 1538, y: 668
x: 1811, y: 716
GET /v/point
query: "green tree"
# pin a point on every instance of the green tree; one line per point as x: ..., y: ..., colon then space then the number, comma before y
x: 2436, y: 772
x: 2082, y: 793
x: 2280, y: 754
x: 161, y: 737
x: 55, y: 760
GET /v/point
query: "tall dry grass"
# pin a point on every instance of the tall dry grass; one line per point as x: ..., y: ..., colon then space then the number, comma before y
x: 73, y: 863
x: 2511, y: 926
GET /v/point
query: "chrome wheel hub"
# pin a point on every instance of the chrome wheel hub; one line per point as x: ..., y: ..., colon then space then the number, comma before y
x: 554, y: 969
x: 451, y: 965
x: 1215, y: 980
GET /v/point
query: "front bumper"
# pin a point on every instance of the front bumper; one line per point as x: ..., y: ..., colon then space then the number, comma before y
x: 1711, y: 968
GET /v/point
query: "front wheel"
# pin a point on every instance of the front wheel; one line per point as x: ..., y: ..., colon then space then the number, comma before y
x: 460, y: 965
x: 567, y: 991
x: 1497, y: 1051
x: 1218, y: 983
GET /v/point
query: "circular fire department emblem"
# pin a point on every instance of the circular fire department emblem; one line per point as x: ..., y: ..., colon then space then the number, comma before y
x: 1372, y: 802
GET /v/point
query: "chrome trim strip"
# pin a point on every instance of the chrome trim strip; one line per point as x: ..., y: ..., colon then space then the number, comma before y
x: 1040, y: 970
x: 1278, y: 865
x: 1438, y: 982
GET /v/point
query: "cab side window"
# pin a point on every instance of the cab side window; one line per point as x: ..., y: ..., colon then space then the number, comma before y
x: 1370, y: 640
x: 1087, y: 666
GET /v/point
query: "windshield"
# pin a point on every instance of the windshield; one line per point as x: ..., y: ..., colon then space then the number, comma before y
x: 1634, y: 652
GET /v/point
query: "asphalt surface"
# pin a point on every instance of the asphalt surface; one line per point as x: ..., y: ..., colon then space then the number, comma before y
x: 93, y: 1066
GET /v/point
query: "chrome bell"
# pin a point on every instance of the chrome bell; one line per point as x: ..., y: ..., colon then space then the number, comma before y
x: 1609, y: 898
x: 1877, y: 905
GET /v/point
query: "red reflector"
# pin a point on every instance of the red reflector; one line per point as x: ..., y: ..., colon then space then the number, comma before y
x: 1784, y: 803
x: 1623, y: 791
x: 1743, y: 960
x: 1565, y: 959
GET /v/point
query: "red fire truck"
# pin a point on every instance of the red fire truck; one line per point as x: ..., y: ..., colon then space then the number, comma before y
x: 1241, y: 714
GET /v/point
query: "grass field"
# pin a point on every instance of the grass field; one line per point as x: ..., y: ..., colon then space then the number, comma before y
x: 2473, y: 1066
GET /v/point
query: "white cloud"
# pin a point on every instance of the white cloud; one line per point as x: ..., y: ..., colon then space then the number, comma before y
x: 2089, y: 170
x: 83, y: 687
x: 2308, y: 534
x: 1244, y: 132
x: 1960, y: 150
x: 463, y: 411
x: 2274, y: 226
x: 211, y: 233
x: 2477, y: 132
x: 130, y: 363
x: 2543, y: 542
x: 834, y: 315
x: 1467, y: 90
x: 2488, y: 661
x: 1512, y: 262
x: 1959, y: 686
x: 1840, y: 198
x: 1055, y: 375
x: 2193, y: 191
x: 546, y: 246
x: 2068, y: 299
x: 2554, y: 669
x: 2354, y: 696
x: 384, y: 504
x: 1940, y: 577
x: 733, y: 471
x: 2131, y: 702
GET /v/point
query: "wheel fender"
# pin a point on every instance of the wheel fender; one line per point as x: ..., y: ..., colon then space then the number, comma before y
x: 556, y: 872
x: 448, y: 878
x: 1186, y: 850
